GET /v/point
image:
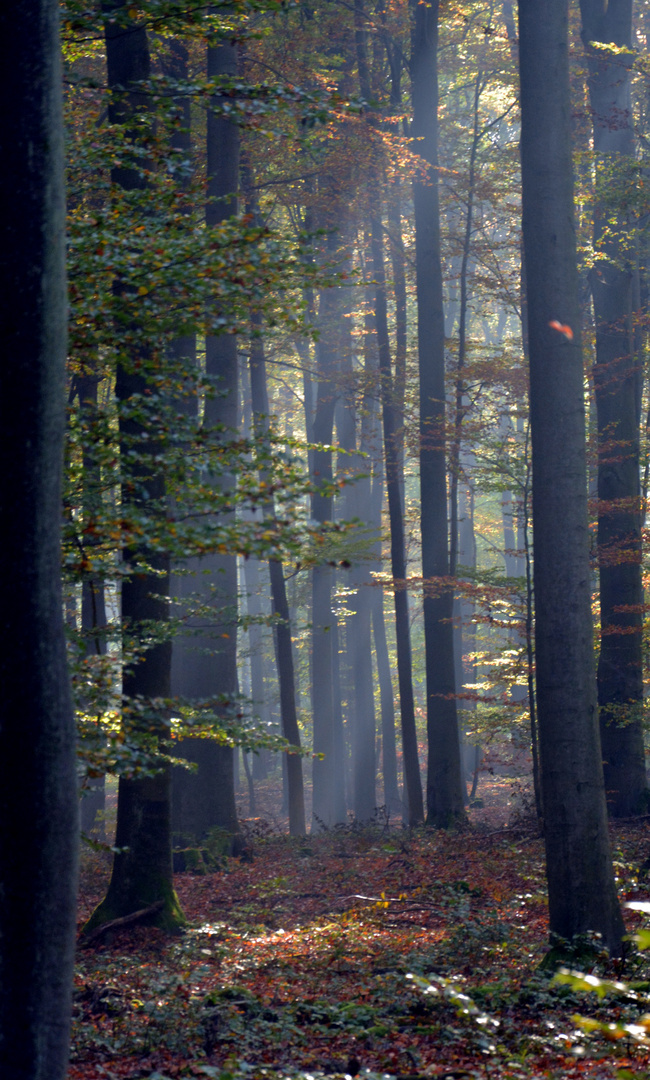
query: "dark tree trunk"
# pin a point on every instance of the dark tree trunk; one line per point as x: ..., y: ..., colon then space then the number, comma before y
x: 445, y: 796
x: 617, y: 381
x: 39, y: 838
x: 391, y: 426
x: 142, y: 869
x: 582, y: 892
x: 205, y: 799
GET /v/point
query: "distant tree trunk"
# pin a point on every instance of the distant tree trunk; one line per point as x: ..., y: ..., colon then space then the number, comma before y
x: 618, y: 382
x: 530, y: 624
x: 582, y: 892
x: 142, y: 868
x: 466, y: 628
x: 39, y: 838
x: 396, y: 247
x: 412, y: 780
x: 445, y: 796
x: 372, y: 445
x: 461, y: 403
x: 359, y: 644
x: 327, y: 808
x: 93, y: 604
x: 282, y: 626
x: 206, y: 798
x: 257, y: 608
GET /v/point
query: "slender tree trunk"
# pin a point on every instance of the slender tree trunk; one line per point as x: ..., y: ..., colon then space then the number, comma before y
x: 445, y: 796
x: 282, y: 626
x: 582, y: 892
x: 93, y: 605
x: 466, y: 629
x: 359, y: 647
x: 530, y: 631
x: 397, y: 545
x: 617, y: 380
x: 327, y: 809
x: 39, y: 838
x: 372, y: 446
x: 461, y: 400
x: 399, y: 289
x: 257, y: 608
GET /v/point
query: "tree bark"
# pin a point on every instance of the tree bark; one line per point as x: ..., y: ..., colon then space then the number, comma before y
x: 391, y: 425
x: 445, y: 797
x: 142, y: 868
x: 617, y: 381
x: 582, y: 893
x: 38, y: 787
x: 205, y: 799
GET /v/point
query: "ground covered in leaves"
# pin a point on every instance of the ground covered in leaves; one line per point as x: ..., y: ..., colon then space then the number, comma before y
x: 373, y: 951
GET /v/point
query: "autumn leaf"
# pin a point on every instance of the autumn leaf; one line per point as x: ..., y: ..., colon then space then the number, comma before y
x: 562, y: 328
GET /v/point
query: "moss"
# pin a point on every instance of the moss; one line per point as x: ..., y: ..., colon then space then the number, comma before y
x: 170, y: 917
x: 220, y: 843
x: 189, y: 859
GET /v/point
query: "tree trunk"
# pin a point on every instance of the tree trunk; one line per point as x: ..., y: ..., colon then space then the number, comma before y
x: 617, y: 381
x: 445, y: 797
x: 412, y: 781
x: 205, y: 799
x: 327, y: 809
x: 372, y: 445
x: 582, y: 893
x: 282, y: 625
x: 39, y: 838
x: 93, y: 604
x: 142, y: 868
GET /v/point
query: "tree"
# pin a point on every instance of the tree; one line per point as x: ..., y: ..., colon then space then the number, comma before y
x: 329, y: 803
x: 142, y: 865
x: 391, y: 426
x: 205, y: 799
x: 38, y: 790
x: 93, y: 600
x: 282, y: 628
x: 445, y: 798
x: 607, y: 36
x: 582, y: 893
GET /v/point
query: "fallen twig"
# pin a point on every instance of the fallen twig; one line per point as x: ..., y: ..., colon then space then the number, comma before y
x: 127, y: 920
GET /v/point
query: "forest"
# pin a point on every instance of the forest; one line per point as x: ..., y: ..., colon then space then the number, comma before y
x: 325, y: 444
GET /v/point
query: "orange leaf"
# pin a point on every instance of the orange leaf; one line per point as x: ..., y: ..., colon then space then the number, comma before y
x: 562, y: 328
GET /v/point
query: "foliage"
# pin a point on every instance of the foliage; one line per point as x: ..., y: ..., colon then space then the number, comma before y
x: 297, y: 962
x: 632, y: 996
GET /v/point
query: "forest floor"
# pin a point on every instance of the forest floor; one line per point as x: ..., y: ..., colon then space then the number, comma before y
x: 375, y: 951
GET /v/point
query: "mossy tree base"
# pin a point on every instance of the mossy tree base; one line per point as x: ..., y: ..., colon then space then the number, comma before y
x: 142, y: 867
x: 170, y: 917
